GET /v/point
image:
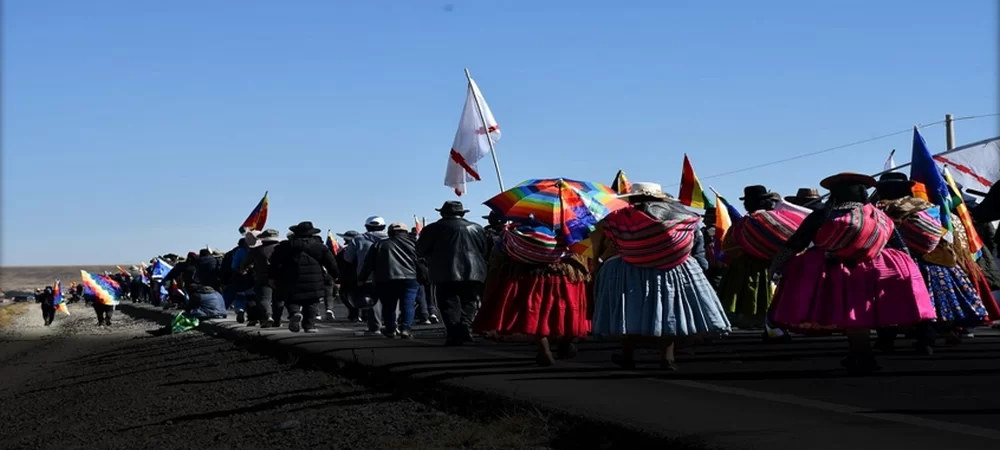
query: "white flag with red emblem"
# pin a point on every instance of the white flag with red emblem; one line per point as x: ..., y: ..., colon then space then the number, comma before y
x: 471, y: 141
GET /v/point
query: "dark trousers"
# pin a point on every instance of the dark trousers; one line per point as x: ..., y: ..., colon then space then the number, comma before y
x: 346, y: 297
x: 372, y: 315
x: 309, y: 311
x: 261, y: 308
x: 328, y: 299
x: 137, y: 291
x: 458, y: 301
x: 401, y: 293
x: 48, y: 313
x: 277, y: 305
x: 426, y: 303
x: 103, y: 312
x: 154, y: 293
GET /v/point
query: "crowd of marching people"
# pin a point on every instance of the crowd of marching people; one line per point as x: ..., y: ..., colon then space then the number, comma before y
x: 869, y: 257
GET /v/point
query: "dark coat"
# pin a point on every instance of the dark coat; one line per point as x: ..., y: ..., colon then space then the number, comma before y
x: 455, y: 250
x: 297, y: 269
x: 258, y: 261
x: 391, y: 259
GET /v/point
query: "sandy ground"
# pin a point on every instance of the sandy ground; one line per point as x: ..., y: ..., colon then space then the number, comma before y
x: 28, y: 278
x: 77, y: 386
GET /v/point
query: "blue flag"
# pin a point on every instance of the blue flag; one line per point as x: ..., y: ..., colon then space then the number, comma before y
x: 924, y: 170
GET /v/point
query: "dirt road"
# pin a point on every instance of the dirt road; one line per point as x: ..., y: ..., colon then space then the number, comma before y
x: 77, y: 386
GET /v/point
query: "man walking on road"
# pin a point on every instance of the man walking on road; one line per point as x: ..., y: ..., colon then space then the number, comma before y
x: 46, y: 298
x: 356, y: 253
x: 297, y: 266
x: 257, y: 263
x: 348, y: 279
x: 455, y: 250
x: 393, y: 262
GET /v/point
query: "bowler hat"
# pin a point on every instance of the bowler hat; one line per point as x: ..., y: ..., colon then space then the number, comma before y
x: 803, y: 195
x: 893, y: 178
x: 754, y: 192
x: 847, y: 178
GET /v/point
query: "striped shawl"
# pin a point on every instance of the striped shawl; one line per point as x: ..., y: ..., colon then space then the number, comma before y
x: 651, y: 243
x: 532, y: 246
x: 856, y: 234
x: 762, y: 234
x: 919, y: 229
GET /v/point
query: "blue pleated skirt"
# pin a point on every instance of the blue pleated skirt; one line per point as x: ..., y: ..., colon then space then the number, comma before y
x: 661, y: 303
x: 955, y: 298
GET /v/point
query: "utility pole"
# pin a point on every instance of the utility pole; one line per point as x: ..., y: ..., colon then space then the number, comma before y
x: 949, y: 131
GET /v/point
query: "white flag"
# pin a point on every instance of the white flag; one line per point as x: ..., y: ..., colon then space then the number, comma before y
x: 975, y: 165
x: 471, y: 143
x: 890, y: 163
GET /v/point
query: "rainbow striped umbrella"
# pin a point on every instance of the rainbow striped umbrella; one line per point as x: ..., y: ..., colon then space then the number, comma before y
x: 571, y: 208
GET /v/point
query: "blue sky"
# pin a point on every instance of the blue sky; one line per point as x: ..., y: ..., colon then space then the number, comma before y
x: 137, y: 128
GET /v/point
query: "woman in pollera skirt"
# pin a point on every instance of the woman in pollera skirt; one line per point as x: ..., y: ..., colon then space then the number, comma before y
x: 652, y: 289
x: 955, y: 298
x: 857, y: 276
x: 535, y: 288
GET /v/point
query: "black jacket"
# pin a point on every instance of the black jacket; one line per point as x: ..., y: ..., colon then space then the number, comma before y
x: 348, y: 274
x: 203, y: 273
x: 297, y: 269
x: 258, y: 261
x: 391, y: 259
x: 455, y: 250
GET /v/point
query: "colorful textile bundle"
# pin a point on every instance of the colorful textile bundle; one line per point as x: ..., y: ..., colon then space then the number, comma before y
x: 532, y: 245
x: 857, y: 234
x: 649, y: 243
x: 921, y: 232
x: 762, y: 234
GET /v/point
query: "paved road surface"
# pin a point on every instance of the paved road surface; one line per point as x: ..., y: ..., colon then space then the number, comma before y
x: 947, y: 398
x: 76, y: 386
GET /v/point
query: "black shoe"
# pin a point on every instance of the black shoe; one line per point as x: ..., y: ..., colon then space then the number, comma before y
x: 267, y: 324
x: 241, y: 316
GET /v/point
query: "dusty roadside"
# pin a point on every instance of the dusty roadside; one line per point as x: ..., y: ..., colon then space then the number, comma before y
x: 76, y: 386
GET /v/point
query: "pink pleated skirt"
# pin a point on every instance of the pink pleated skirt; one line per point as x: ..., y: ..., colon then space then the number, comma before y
x: 816, y: 293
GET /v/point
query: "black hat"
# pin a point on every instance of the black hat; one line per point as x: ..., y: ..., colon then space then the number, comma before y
x: 754, y: 192
x: 847, y: 178
x: 304, y: 229
x: 803, y: 196
x: 452, y: 208
x: 494, y: 216
x: 893, y: 178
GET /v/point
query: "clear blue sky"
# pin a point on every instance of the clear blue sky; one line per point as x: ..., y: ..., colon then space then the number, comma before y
x: 137, y: 128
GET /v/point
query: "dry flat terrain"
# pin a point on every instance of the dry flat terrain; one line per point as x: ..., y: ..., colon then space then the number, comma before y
x: 78, y: 386
x: 29, y: 278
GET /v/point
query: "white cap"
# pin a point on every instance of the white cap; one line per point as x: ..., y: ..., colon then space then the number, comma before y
x: 375, y: 221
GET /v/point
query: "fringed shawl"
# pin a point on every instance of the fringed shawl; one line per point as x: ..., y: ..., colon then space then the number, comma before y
x: 855, y: 234
x: 532, y: 246
x: 651, y: 243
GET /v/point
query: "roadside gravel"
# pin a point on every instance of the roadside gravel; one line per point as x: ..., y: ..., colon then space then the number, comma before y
x: 76, y: 386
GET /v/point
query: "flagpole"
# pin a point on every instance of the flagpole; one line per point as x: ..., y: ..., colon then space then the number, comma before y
x: 486, y: 130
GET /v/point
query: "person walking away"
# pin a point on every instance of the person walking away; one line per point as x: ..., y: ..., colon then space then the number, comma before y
x: 257, y: 264
x: 297, y: 267
x: 535, y: 287
x: 651, y: 287
x: 236, y: 284
x: 392, y: 262
x: 202, y: 283
x: 348, y: 278
x: 356, y: 252
x: 136, y: 285
x: 455, y: 250
x: 858, y: 275
x: 45, y: 298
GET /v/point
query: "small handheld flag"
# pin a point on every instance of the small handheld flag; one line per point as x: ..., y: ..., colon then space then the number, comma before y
x: 417, y: 225
x: 331, y: 243
x: 621, y: 185
x: 57, y: 298
x: 962, y: 211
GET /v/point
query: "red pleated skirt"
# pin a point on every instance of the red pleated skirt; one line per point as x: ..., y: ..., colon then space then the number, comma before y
x: 536, y: 305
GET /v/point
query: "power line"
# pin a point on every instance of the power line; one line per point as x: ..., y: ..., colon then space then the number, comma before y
x: 839, y: 147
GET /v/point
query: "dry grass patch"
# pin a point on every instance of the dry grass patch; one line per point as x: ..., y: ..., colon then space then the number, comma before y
x: 10, y: 312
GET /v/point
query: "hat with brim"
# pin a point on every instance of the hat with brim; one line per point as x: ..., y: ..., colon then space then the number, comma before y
x: 641, y: 189
x: 755, y: 192
x: 349, y: 234
x: 893, y: 178
x: 845, y: 178
x: 304, y: 229
x: 452, y: 207
x: 803, y: 195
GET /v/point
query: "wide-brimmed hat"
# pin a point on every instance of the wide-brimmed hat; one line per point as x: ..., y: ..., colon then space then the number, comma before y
x: 257, y: 238
x: 304, y: 229
x: 890, y: 178
x: 755, y: 191
x: 399, y: 226
x: 351, y: 234
x: 452, y: 208
x: 803, y: 195
x: 847, y: 178
x: 646, y: 189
